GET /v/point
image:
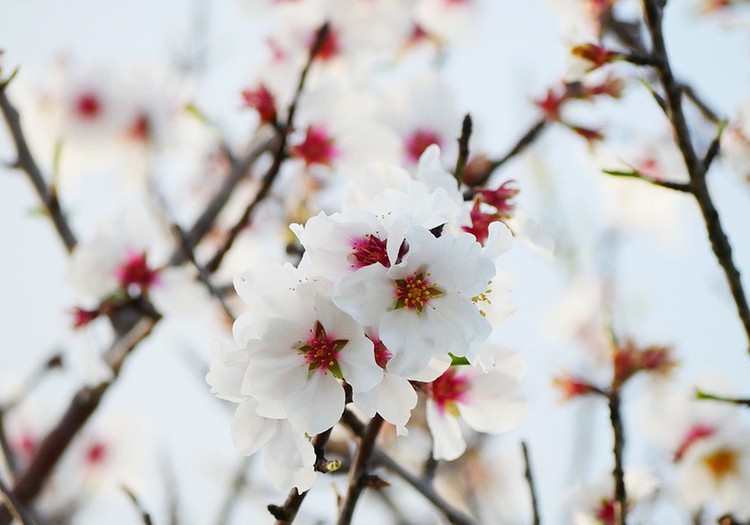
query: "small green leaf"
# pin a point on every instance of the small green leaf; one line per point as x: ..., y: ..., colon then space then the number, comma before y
x: 458, y: 361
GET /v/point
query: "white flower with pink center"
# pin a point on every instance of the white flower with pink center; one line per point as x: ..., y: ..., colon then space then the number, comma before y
x: 423, y: 306
x: 489, y: 402
x: 302, y: 353
x: 342, y: 243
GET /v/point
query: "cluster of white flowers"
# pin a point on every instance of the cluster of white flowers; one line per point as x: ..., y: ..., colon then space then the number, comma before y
x: 388, y: 295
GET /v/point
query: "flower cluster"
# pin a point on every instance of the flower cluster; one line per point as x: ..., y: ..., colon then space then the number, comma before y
x: 391, y: 299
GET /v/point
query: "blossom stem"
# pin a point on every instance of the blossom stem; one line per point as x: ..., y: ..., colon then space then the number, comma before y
x: 529, y: 475
x: 618, y: 473
x: 358, y: 476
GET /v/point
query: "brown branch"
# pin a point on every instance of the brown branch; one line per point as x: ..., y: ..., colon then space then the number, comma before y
x: 13, y: 506
x: 83, y: 405
x: 286, y: 513
x: 463, y: 149
x: 279, y: 157
x: 27, y: 163
x: 358, y: 475
x: 676, y: 186
x: 618, y: 473
x: 528, y: 474
x: 695, y: 166
x: 203, y: 275
x: 422, y: 486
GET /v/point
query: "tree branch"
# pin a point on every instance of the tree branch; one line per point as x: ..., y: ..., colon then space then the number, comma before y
x: 528, y: 474
x: 27, y: 163
x: 519, y: 147
x: 618, y: 473
x: 358, y: 475
x: 695, y: 166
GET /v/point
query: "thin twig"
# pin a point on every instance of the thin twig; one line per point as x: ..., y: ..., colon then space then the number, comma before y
x: 528, y: 474
x: 27, y: 163
x: 279, y: 157
x: 14, y: 506
x: 203, y: 275
x: 700, y: 394
x: 673, y: 94
x: 145, y: 516
x: 618, y: 473
x: 425, y: 488
x: 676, y: 186
x: 358, y: 475
x: 463, y: 149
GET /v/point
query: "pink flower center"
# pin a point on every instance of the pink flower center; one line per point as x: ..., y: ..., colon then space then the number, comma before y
x: 135, y: 271
x: 26, y: 447
x: 88, y: 105
x: 331, y: 47
x: 696, y: 433
x: 419, y: 141
x: 605, y: 514
x: 96, y: 453
x: 321, y: 351
x: 415, y: 291
x: 449, y: 389
x: 382, y: 354
x: 368, y: 250
x: 317, y: 147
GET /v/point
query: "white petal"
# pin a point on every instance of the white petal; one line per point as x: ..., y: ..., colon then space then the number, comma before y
x: 318, y: 406
x: 250, y: 431
x: 447, y: 442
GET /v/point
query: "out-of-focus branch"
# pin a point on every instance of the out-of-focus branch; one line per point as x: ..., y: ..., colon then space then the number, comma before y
x: 677, y: 186
x: 463, y: 149
x: 424, y: 487
x: 145, y: 516
x: 280, y: 156
x: 83, y: 405
x: 26, y: 162
x: 529, y: 475
x: 238, y: 171
x: 13, y: 506
x: 700, y: 394
x: 618, y: 472
x: 358, y: 475
x: 696, y: 167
